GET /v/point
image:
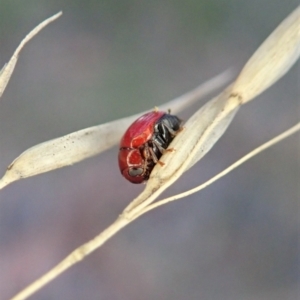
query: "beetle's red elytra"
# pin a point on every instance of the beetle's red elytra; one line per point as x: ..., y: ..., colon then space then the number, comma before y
x: 144, y: 142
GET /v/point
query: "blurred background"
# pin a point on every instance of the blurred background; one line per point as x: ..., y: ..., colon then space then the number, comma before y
x: 103, y: 60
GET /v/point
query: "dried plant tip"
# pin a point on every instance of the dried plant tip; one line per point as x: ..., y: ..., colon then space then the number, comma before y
x: 271, y: 61
x: 64, y: 151
x: 8, y: 68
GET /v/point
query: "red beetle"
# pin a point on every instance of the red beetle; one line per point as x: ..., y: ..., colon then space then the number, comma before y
x: 144, y: 142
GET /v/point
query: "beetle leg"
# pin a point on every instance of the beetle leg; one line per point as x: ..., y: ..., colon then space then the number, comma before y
x: 161, y: 149
x: 146, y: 152
x: 154, y: 157
x: 149, y: 155
x: 165, y: 131
x: 162, y: 135
x: 147, y: 158
x: 158, y: 145
x: 166, y: 127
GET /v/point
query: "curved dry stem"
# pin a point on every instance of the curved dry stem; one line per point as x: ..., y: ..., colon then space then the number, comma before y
x: 76, y: 256
x: 81, y: 252
x: 36, y: 30
x: 248, y: 156
x: 8, y: 68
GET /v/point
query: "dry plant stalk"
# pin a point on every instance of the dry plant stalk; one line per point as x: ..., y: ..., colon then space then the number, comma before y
x: 239, y: 162
x: 8, y: 68
x: 269, y: 63
x: 77, y: 146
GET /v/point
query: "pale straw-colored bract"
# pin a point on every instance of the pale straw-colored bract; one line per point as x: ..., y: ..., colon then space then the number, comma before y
x: 268, y: 64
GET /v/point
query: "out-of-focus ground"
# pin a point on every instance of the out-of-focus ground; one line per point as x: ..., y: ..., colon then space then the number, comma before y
x: 236, y: 240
